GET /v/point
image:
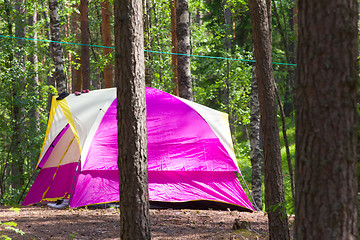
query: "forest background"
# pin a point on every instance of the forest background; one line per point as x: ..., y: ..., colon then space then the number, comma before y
x: 221, y: 71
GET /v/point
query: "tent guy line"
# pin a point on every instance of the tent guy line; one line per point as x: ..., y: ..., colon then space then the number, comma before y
x: 150, y: 51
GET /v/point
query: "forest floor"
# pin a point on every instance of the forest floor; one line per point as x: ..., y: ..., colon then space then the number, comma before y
x: 43, y: 222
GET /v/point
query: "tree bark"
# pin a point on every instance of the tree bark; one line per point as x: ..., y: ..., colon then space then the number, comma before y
x: 56, y: 50
x: 85, y: 39
x: 17, y: 166
x: 228, y: 25
x: 289, y: 49
x: 256, y: 155
x: 260, y: 11
x: 8, y: 63
x: 130, y: 82
x: 183, y: 40
x: 148, y: 41
x: 34, y: 86
x: 49, y: 79
x: 75, y: 57
x: 174, y: 44
x: 286, y: 143
x: 106, y: 38
x: 227, y: 81
x: 326, y: 120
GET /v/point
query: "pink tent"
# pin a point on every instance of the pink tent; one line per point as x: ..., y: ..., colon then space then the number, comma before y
x: 191, y: 159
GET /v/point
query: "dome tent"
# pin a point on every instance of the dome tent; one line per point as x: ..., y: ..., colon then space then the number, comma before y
x: 191, y: 162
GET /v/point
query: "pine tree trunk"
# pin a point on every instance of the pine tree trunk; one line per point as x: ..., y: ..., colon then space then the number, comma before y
x: 75, y: 70
x: 183, y: 40
x: 8, y: 62
x: 228, y: 27
x: 132, y: 137
x: 85, y: 39
x: 326, y: 120
x: 33, y: 59
x: 106, y: 38
x: 56, y: 48
x: 227, y: 45
x: 227, y: 82
x: 255, y: 149
x: 148, y: 41
x: 174, y: 44
x: 274, y: 187
x: 289, y: 90
x: 288, y: 46
x: 49, y: 80
x: 17, y: 87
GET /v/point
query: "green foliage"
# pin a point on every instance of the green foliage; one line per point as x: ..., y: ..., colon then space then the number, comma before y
x: 11, y: 196
x: 279, y: 207
x: 290, y: 133
x: 5, y: 237
x: 12, y: 226
x: 242, y: 150
x: 15, y: 209
x: 73, y: 235
x: 23, y: 110
x: 158, y: 38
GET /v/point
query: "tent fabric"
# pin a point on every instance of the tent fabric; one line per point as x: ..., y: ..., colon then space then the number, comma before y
x: 191, y: 156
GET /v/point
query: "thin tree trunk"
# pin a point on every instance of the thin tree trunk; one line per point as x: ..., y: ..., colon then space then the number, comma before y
x: 255, y: 149
x: 49, y: 79
x: 106, y: 12
x: 227, y: 81
x: 183, y: 40
x: 274, y: 187
x: 8, y: 63
x: 17, y: 87
x: 286, y: 142
x: 148, y: 41
x: 289, y: 90
x: 156, y: 21
x: 131, y: 102
x: 174, y: 45
x: 75, y: 57
x: 85, y: 39
x: 227, y: 45
x: 228, y: 23
x: 289, y: 54
x: 56, y: 48
x: 326, y: 120
x: 34, y: 85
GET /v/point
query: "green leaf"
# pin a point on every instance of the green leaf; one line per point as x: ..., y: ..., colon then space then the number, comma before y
x: 15, y: 230
x: 5, y: 237
x: 11, y: 224
x: 15, y: 209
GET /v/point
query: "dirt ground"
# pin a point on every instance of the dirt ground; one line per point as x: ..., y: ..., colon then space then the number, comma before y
x: 42, y: 222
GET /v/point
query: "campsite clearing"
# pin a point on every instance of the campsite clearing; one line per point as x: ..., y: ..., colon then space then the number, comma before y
x: 42, y: 222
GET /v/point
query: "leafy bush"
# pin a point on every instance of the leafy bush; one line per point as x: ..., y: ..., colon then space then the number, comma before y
x: 10, y: 197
